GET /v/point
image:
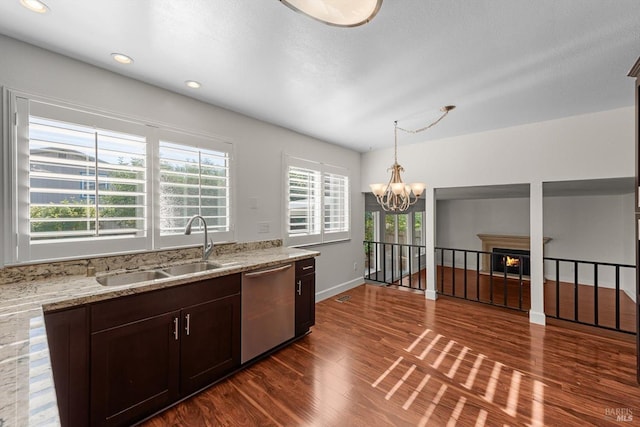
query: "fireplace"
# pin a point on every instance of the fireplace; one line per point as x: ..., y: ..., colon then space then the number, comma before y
x: 511, y: 261
x: 515, y: 245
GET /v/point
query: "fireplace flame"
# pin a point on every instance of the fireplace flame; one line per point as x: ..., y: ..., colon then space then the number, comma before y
x: 512, y: 262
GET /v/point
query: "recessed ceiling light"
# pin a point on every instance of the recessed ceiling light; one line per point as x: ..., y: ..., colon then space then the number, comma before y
x: 35, y: 5
x: 193, y: 84
x: 122, y: 58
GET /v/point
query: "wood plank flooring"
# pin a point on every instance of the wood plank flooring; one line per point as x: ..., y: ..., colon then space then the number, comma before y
x: 479, y: 287
x: 391, y: 358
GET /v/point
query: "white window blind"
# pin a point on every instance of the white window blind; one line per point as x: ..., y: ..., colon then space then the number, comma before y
x: 304, y: 202
x: 317, y: 203
x: 85, y: 182
x: 193, y: 181
x: 336, y: 203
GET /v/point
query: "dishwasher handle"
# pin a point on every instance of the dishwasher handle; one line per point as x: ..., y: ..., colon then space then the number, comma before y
x: 265, y: 272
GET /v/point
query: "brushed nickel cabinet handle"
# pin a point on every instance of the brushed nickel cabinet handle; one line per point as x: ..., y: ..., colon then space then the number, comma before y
x: 299, y: 287
x: 307, y: 267
x: 175, y: 328
x: 187, y: 322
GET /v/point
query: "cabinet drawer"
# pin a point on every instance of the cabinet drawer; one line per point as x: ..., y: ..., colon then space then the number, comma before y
x: 305, y: 266
x: 122, y: 310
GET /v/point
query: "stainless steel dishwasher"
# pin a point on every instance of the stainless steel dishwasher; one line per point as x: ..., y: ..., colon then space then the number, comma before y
x: 268, y: 309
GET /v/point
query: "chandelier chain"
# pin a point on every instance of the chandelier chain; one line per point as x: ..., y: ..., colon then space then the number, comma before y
x: 446, y: 111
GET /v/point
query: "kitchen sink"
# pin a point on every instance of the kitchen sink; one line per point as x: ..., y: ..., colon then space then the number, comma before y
x: 196, y: 267
x: 130, y: 278
x: 119, y: 279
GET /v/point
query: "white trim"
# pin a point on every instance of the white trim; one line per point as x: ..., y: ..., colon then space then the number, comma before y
x: 431, y: 294
x: 335, y: 290
x: 537, y: 318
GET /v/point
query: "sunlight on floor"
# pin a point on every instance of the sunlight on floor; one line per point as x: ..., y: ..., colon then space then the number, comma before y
x: 501, y: 386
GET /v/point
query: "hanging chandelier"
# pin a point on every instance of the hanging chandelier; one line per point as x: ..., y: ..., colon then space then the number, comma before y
x: 339, y: 13
x: 396, y: 196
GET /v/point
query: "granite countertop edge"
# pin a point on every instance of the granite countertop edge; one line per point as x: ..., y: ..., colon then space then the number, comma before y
x: 232, y: 263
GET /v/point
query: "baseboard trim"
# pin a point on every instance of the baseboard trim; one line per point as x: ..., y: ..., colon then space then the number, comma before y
x: 335, y: 290
x: 537, y: 318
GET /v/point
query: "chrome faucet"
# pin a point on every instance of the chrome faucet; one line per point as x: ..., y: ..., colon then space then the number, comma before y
x: 207, y: 248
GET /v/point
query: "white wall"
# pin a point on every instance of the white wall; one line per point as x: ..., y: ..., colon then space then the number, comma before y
x: 258, y: 145
x: 589, y: 146
x: 591, y: 228
x: 460, y: 221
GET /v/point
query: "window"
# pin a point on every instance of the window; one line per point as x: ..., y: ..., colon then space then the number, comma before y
x: 84, y: 182
x: 87, y: 184
x: 194, y: 181
x: 317, y: 203
x: 304, y: 202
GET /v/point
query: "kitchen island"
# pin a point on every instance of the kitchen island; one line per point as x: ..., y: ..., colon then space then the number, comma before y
x: 27, y: 392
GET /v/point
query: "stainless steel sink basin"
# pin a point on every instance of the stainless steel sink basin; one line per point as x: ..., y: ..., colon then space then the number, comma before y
x: 196, y: 267
x: 132, y: 277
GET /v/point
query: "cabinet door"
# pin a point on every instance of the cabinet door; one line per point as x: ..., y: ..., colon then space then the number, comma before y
x: 68, y: 338
x: 305, y: 303
x: 134, y: 369
x: 210, y: 343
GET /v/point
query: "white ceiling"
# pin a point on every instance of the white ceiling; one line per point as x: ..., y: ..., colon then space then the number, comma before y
x: 502, y: 62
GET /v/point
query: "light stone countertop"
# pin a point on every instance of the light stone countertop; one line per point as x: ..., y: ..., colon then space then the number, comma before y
x: 27, y: 394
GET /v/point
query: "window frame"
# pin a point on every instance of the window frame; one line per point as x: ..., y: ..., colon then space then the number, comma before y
x: 322, y: 236
x: 18, y: 249
x: 200, y: 142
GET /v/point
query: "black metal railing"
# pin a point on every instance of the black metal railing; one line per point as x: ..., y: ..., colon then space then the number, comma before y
x: 395, y: 264
x: 590, y: 293
x: 470, y: 275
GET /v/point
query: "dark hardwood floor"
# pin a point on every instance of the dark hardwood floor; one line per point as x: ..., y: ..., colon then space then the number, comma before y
x: 391, y: 358
x: 480, y: 287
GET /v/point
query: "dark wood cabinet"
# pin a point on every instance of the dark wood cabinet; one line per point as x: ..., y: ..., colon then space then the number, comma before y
x: 210, y: 342
x: 151, y: 349
x: 134, y: 369
x: 68, y: 338
x: 305, y: 289
x: 118, y: 361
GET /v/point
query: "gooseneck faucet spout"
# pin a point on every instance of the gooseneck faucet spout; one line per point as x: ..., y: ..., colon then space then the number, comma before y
x: 207, y: 248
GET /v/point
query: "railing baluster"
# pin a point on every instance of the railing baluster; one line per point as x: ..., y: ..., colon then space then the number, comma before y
x: 442, y: 270
x: 477, y: 276
x: 377, y: 258
x: 465, y: 274
x: 595, y: 293
x: 520, y: 267
x: 420, y: 268
x: 410, y: 281
x: 558, y: 288
x: 453, y: 273
x: 504, y: 280
x: 617, y: 297
x: 491, y: 277
x: 575, y: 291
x: 384, y: 263
x: 393, y: 266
